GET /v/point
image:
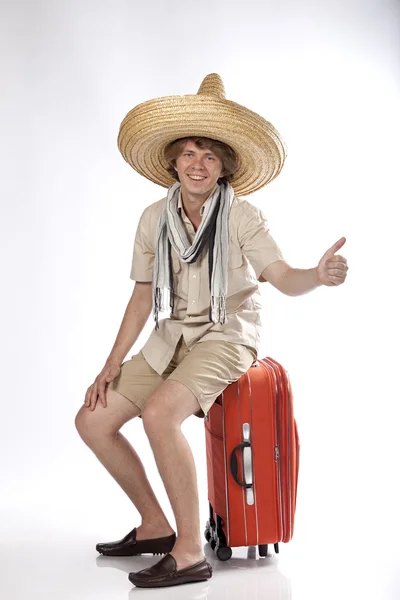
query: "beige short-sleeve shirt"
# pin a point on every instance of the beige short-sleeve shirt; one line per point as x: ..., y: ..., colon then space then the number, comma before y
x: 251, y: 250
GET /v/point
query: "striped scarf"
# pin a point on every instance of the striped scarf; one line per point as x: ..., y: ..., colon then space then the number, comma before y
x: 213, y: 230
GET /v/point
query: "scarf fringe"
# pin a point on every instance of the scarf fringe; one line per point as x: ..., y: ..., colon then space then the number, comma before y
x: 218, y: 309
x: 160, y: 301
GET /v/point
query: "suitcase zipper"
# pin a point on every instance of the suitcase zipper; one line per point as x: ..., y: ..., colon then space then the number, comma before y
x: 277, y: 454
x: 290, y: 533
x: 286, y: 498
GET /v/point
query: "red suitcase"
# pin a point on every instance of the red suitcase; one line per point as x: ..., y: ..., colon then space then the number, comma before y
x: 252, y: 461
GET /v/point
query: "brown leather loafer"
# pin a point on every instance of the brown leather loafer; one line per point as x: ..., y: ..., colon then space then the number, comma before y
x: 164, y: 573
x: 130, y: 546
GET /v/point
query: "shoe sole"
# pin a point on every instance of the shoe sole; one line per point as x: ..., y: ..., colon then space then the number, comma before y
x: 167, y: 584
x: 105, y: 553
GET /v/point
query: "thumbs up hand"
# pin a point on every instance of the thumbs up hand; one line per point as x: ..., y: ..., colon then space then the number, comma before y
x: 332, y: 269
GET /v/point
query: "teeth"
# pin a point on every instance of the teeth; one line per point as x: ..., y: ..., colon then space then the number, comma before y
x: 196, y: 177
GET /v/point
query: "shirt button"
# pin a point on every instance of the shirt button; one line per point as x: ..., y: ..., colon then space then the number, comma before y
x: 193, y: 301
x: 194, y: 276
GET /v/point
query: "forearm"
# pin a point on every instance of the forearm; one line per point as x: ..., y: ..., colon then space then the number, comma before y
x: 136, y: 314
x: 297, y: 282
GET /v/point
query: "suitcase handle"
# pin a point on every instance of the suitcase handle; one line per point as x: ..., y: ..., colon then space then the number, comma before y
x: 234, y: 464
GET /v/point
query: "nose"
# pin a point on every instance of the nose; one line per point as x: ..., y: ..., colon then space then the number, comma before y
x: 198, y: 162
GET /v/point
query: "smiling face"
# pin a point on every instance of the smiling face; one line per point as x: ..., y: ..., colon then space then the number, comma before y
x: 198, y: 170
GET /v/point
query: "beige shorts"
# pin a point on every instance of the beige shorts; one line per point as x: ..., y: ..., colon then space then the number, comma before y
x: 207, y: 369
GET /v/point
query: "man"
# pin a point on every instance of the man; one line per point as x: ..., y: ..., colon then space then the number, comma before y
x: 200, y: 251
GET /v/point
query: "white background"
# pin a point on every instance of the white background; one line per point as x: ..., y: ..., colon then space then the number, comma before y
x: 326, y: 74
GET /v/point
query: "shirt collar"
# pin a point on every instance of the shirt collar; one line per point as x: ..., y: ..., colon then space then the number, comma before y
x: 206, y: 202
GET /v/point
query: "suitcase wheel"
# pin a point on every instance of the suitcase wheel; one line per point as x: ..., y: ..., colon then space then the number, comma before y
x: 276, y: 548
x: 210, y: 526
x: 223, y: 552
x: 214, y: 534
x: 208, y: 532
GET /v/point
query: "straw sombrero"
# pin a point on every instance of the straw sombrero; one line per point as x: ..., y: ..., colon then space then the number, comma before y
x: 149, y: 127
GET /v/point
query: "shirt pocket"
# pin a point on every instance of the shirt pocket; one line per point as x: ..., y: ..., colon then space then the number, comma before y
x: 235, y: 260
x: 236, y: 273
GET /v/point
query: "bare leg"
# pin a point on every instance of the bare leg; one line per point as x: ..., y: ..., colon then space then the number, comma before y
x: 163, y: 415
x: 99, y: 429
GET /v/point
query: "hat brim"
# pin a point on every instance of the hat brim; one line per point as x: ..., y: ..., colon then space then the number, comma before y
x: 151, y: 126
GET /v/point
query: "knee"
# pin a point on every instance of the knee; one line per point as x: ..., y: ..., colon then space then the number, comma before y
x: 89, y: 427
x: 156, y: 419
x: 82, y: 423
x: 150, y: 418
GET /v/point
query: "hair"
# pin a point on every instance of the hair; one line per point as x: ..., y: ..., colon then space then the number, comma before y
x: 223, y: 151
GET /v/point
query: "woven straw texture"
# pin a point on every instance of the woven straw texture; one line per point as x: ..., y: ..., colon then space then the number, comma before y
x: 149, y: 127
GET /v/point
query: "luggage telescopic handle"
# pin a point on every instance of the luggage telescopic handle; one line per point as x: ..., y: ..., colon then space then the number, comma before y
x: 234, y: 465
